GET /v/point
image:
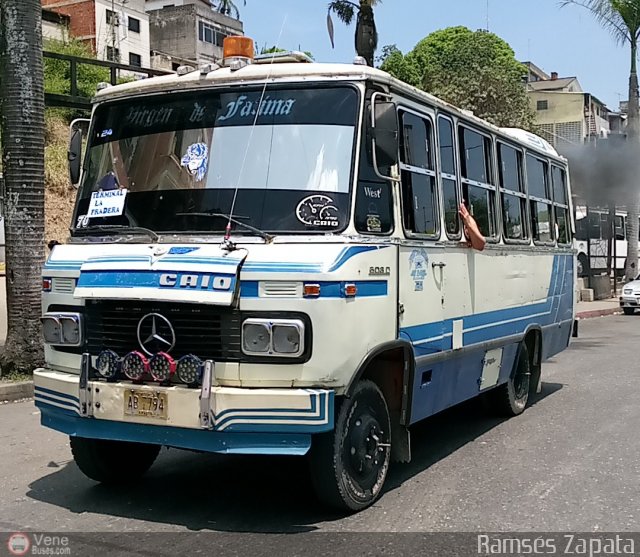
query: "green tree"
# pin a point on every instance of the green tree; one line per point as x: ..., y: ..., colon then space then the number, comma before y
x: 274, y: 50
x: 22, y: 96
x: 474, y: 70
x: 366, y: 37
x: 227, y: 7
x: 622, y: 19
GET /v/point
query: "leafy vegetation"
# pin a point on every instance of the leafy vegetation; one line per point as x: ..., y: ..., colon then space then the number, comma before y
x: 474, y: 70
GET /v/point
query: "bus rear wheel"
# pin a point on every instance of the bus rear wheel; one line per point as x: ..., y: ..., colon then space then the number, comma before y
x: 349, y: 464
x: 510, y: 399
x: 112, y: 462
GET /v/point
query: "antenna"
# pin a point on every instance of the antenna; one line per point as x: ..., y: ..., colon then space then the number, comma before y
x: 487, y: 16
x: 227, y: 231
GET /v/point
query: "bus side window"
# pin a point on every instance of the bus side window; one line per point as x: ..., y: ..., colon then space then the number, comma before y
x: 449, y: 177
x: 540, y: 200
x: 561, y: 205
x: 477, y: 188
x: 419, y: 197
x: 514, y: 199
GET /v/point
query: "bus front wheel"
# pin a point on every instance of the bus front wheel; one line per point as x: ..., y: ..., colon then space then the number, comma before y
x: 349, y: 464
x: 112, y: 462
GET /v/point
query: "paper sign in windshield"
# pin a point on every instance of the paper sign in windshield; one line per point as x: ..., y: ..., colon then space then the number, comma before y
x: 107, y: 203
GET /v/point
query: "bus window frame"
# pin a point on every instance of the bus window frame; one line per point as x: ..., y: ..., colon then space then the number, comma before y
x: 519, y: 194
x: 404, y: 167
x: 536, y: 199
x: 556, y: 204
x: 455, y: 178
x: 491, y: 171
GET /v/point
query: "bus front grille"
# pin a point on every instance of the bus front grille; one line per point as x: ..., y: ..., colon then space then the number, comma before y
x: 209, y: 332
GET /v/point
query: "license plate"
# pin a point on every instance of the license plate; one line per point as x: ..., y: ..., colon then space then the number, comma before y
x: 148, y: 404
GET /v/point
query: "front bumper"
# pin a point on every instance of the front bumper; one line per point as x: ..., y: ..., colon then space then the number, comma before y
x: 248, y: 421
x: 629, y: 301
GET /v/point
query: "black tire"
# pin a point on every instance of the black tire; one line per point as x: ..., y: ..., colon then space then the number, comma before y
x: 112, y: 462
x: 510, y: 399
x: 629, y: 311
x: 349, y: 464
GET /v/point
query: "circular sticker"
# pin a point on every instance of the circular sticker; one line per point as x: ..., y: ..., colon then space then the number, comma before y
x: 318, y: 210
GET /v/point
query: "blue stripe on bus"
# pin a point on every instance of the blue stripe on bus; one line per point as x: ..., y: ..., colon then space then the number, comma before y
x: 328, y: 289
x: 139, y: 279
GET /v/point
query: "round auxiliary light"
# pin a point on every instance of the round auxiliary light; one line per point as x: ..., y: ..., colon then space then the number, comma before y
x: 135, y: 365
x: 162, y: 367
x: 108, y: 364
x: 189, y: 369
x: 238, y: 47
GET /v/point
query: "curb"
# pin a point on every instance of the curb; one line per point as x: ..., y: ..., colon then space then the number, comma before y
x: 598, y: 313
x: 16, y: 391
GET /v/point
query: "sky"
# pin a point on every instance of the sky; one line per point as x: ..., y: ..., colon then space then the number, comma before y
x: 565, y: 40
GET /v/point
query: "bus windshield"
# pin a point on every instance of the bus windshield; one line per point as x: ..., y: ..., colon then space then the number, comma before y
x: 177, y: 162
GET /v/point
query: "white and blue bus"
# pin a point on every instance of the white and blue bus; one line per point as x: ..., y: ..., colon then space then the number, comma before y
x: 267, y: 257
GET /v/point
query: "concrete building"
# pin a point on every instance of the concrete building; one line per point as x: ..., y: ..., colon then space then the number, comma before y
x: 187, y: 32
x: 565, y: 114
x: 117, y: 30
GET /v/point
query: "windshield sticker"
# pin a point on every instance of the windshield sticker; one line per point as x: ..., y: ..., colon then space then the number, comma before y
x: 373, y: 223
x: 243, y: 107
x: 418, y: 262
x: 318, y: 210
x: 107, y: 203
x: 83, y: 221
x: 195, y: 160
x: 106, y: 133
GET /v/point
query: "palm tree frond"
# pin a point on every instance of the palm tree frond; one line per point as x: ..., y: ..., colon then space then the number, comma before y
x: 614, y: 15
x: 344, y: 10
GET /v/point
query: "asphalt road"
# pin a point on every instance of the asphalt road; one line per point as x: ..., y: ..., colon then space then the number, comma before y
x: 570, y: 462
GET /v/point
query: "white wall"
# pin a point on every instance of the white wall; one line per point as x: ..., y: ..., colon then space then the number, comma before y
x: 127, y: 41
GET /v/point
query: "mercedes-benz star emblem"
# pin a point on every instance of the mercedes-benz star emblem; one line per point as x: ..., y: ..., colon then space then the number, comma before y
x: 155, y: 334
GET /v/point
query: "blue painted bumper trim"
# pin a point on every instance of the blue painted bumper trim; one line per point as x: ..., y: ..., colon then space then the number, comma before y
x: 200, y: 440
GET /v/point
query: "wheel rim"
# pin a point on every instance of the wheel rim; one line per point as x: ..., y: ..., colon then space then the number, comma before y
x: 365, y: 449
x: 521, y: 384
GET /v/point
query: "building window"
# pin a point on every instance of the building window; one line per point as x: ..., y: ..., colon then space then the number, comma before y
x: 134, y: 25
x: 113, y: 54
x: 112, y: 18
x: 209, y: 34
x: 542, y: 105
x: 135, y: 59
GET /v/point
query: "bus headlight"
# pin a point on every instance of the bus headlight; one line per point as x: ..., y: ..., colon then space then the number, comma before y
x: 273, y: 337
x: 62, y: 328
x: 287, y: 338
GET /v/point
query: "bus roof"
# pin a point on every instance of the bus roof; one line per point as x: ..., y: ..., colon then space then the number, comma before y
x: 290, y: 72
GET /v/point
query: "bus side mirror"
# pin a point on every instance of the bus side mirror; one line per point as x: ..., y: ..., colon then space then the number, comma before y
x: 384, y: 133
x: 74, y: 155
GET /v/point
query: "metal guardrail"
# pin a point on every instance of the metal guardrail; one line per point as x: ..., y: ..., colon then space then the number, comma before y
x: 74, y: 99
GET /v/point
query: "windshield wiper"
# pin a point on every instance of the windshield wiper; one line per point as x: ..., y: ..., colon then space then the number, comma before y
x: 264, y: 235
x: 117, y: 228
